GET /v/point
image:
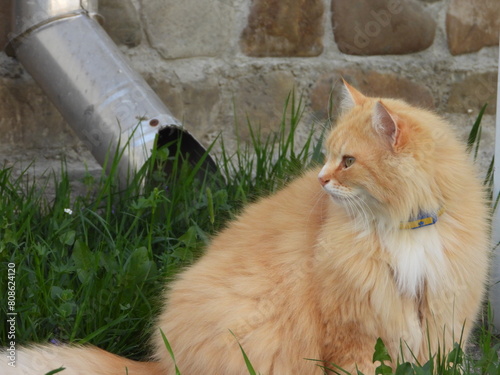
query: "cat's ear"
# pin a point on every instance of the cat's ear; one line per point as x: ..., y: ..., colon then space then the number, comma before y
x: 350, y: 97
x: 388, y: 126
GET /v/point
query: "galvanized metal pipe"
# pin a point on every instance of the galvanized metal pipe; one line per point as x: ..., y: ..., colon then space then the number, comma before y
x: 102, y: 98
x: 29, y: 14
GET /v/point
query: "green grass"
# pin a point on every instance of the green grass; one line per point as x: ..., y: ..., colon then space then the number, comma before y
x: 94, y: 274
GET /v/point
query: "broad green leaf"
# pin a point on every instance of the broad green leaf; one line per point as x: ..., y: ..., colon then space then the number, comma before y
x: 83, y: 259
x: 381, y: 353
x: 404, y: 369
x: 138, y: 266
x: 68, y: 237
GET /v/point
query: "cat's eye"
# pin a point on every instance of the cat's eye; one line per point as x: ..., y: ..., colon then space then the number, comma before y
x: 347, y: 161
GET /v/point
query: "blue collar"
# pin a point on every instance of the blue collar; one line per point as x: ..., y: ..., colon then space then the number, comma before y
x: 423, y: 219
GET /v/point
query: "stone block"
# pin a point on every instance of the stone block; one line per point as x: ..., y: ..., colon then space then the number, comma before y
x: 195, y: 103
x: 5, y: 17
x: 472, y: 92
x: 284, y: 28
x: 328, y: 88
x: 27, y: 116
x: 381, y: 27
x: 41, y: 165
x: 188, y: 28
x: 472, y: 25
x: 260, y: 101
x: 121, y: 21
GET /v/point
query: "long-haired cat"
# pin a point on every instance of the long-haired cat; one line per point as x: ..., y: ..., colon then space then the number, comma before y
x: 388, y: 239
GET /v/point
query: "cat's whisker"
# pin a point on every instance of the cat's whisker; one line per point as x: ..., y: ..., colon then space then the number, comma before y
x: 363, y: 215
x: 369, y: 214
x: 352, y: 210
x: 357, y: 213
x: 317, y: 199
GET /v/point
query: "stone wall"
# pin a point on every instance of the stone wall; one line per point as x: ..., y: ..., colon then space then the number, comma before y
x: 217, y: 62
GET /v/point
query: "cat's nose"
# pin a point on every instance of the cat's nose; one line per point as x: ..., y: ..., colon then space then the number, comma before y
x: 323, y: 180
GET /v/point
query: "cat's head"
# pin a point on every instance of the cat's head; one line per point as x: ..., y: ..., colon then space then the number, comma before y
x: 382, y: 157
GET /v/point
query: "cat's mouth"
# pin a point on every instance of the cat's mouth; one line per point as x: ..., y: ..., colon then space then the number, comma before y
x: 339, y: 195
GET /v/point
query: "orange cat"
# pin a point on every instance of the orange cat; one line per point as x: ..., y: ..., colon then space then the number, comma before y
x: 388, y: 239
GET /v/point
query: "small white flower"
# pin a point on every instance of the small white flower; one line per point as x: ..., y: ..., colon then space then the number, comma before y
x: 69, y: 211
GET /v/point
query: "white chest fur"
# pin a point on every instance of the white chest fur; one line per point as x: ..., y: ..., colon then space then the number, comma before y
x: 416, y: 257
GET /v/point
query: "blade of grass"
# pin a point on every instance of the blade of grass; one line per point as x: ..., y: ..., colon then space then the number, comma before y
x: 170, y: 351
x: 249, y: 365
x: 475, y: 133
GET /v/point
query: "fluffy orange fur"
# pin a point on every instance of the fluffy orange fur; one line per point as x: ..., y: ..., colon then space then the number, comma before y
x: 321, y: 269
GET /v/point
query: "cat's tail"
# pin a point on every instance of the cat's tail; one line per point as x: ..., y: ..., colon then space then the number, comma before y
x: 76, y: 360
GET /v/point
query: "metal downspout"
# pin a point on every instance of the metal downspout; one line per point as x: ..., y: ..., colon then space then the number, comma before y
x: 84, y: 74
